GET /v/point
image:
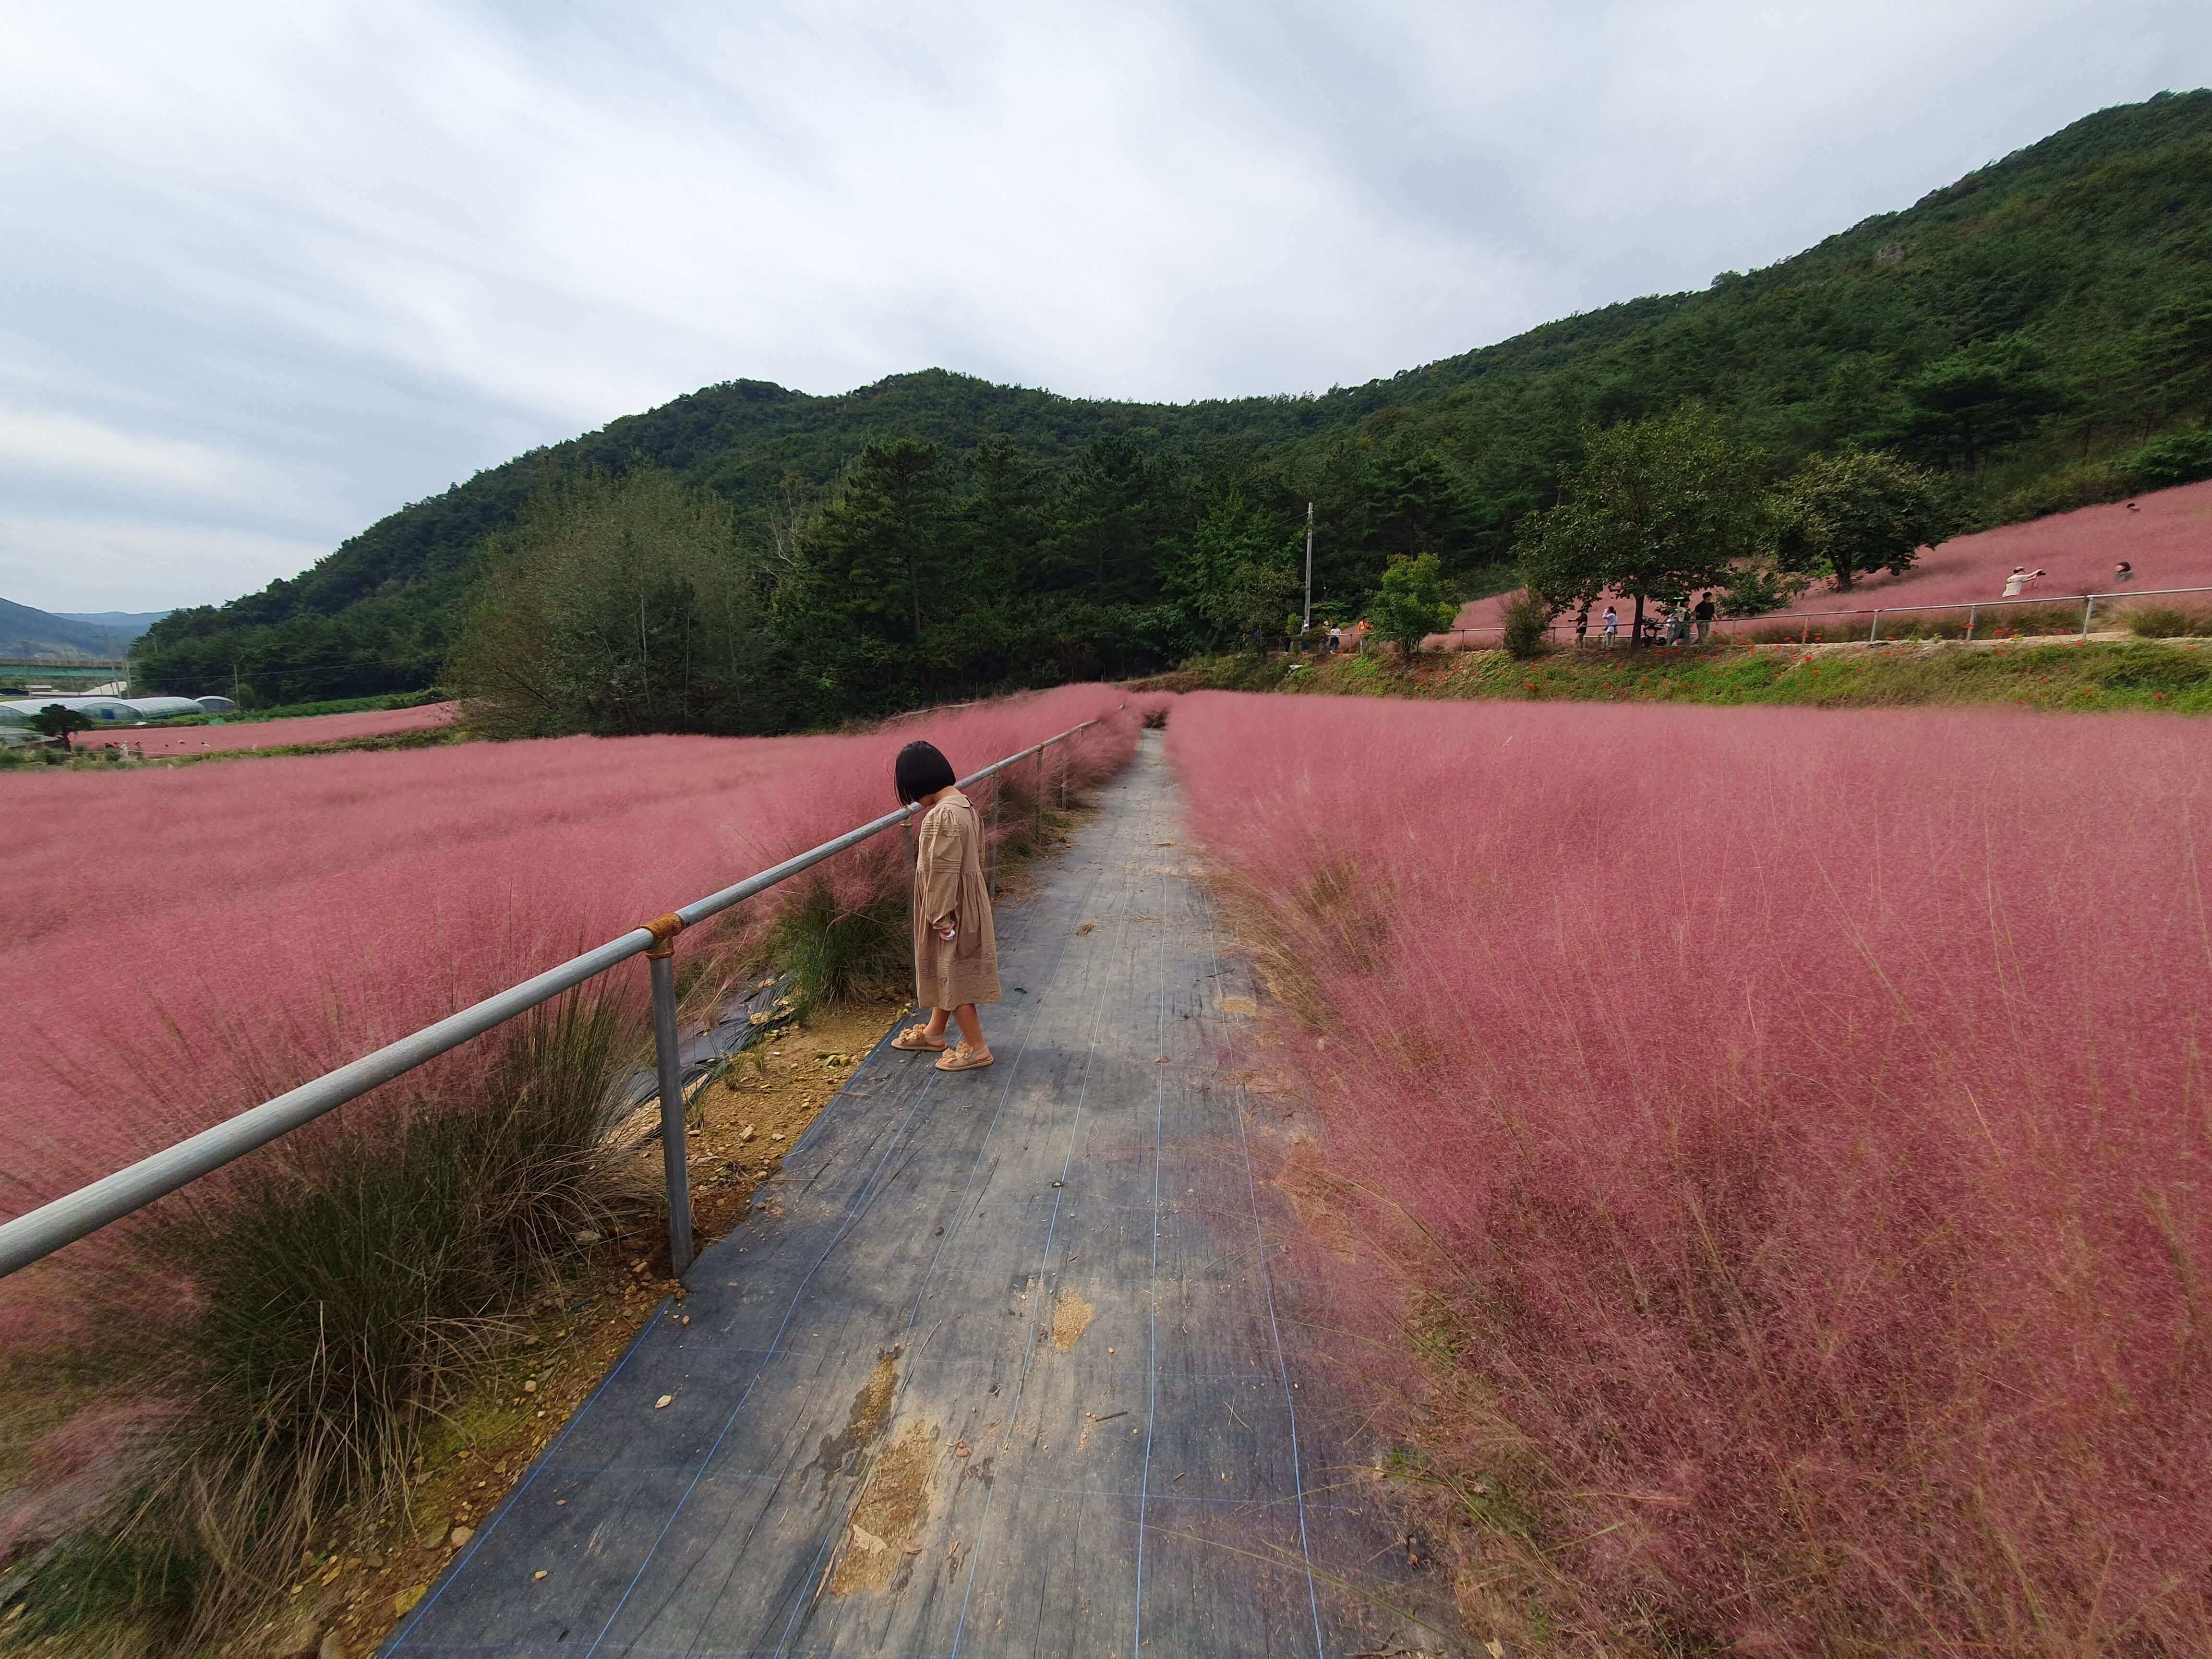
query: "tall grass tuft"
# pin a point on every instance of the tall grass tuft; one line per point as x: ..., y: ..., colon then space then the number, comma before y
x: 337, y: 1286
x: 2162, y: 622
x: 840, y: 953
x: 1787, y: 1132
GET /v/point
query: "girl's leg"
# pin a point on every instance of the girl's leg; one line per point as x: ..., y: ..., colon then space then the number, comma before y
x: 936, y: 1018
x: 971, y: 1027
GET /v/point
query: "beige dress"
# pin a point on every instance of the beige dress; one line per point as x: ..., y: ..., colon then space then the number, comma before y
x: 949, y: 891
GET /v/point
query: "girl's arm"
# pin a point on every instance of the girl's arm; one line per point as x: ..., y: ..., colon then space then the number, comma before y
x: 938, y: 871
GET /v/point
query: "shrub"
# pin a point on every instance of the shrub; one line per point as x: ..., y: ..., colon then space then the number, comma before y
x: 1528, y: 621
x: 1791, y: 1156
x: 1759, y: 589
x: 2176, y: 457
x: 1415, y: 600
x: 2085, y: 483
x: 2161, y: 622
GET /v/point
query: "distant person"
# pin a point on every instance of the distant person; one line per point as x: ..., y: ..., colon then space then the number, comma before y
x: 2123, y: 572
x: 1336, y: 639
x: 1704, y: 615
x: 1677, y: 625
x: 956, y: 950
x: 2020, y: 579
x: 1609, y: 625
x: 2132, y: 507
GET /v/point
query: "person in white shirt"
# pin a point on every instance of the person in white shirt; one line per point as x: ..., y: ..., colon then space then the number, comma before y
x: 2020, y: 577
x: 1612, y: 627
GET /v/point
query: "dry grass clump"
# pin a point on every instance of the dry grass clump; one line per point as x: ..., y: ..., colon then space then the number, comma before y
x: 1789, y: 1130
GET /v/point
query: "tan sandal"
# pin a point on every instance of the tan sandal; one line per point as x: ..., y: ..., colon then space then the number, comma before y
x: 964, y: 1058
x: 915, y: 1041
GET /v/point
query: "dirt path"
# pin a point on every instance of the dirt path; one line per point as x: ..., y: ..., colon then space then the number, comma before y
x: 1000, y: 1367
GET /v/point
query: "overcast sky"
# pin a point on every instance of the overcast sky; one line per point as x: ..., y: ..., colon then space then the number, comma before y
x: 272, y: 270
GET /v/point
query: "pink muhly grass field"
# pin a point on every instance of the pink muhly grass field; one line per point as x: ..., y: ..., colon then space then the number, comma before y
x: 186, y: 943
x: 1798, y: 1122
x: 159, y: 742
x: 2168, y: 539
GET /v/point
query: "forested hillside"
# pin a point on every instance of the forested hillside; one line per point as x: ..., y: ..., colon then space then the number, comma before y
x: 2026, y: 330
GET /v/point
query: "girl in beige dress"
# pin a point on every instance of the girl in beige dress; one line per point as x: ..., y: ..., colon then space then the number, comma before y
x: 956, y: 952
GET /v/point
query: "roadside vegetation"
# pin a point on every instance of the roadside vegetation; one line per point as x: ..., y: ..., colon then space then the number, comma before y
x: 1759, y: 1138
x: 192, y: 1402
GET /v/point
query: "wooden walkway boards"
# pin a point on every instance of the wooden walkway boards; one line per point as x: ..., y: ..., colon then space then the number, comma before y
x: 998, y: 1366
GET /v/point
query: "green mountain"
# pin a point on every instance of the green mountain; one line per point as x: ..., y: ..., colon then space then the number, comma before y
x: 33, y: 634
x: 2027, y: 329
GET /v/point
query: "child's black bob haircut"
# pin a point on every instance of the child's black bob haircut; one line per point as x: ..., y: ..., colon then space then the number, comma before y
x: 922, y: 771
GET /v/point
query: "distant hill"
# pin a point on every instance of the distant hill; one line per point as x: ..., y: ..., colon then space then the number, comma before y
x: 130, y: 624
x: 2025, y: 328
x: 64, y: 636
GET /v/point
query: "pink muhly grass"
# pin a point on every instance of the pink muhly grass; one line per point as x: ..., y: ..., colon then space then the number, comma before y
x: 2164, y: 538
x: 191, y: 941
x: 187, y: 943
x: 1798, y: 1121
x: 157, y: 742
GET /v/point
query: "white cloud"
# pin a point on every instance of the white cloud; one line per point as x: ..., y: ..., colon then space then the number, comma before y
x: 56, y: 446
x: 318, y: 259
x: 74, y: 562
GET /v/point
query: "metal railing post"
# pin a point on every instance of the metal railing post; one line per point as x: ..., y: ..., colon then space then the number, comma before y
x: 1972, y: 610
x: 1039, y: 803
x: 1874, y: 627
x: 2088, y: 605
x: 660, y: 963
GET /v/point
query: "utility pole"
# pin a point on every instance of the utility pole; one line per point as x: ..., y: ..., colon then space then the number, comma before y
x: 1305, y: 622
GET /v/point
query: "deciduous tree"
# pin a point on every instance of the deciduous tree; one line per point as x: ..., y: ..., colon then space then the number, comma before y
x: 618, y: 605
x: 1657, y: 508
x: 1416, y: 599
x: 56, y: 722
x: 1849, y: 514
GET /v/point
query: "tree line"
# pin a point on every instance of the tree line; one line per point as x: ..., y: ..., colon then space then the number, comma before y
x: 637, y: 602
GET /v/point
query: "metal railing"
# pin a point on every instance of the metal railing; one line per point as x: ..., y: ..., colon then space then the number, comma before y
x: 51, y: 1226
x: 1803, y: 620
x: 1974, y: 607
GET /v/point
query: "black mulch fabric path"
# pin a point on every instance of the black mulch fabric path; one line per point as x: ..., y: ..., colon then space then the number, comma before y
x: 999, y: 1365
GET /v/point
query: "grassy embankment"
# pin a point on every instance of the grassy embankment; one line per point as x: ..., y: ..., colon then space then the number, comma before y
x: 2099, y: 675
